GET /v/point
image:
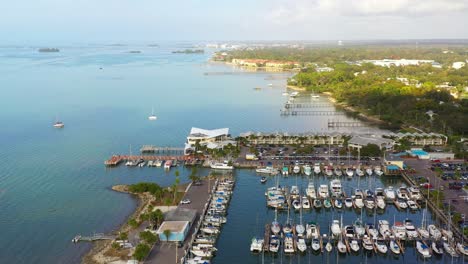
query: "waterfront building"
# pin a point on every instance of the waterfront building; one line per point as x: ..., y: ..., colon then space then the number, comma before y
x: 420, y: 139
x: 397, y: 63
x: 393, y: 164
x: 179, y: 222
x: 204, y: 137
x: 357, y: 142
x: 258, y: 138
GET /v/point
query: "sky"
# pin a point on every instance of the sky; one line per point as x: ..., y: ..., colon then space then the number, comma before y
x: 85, y: 21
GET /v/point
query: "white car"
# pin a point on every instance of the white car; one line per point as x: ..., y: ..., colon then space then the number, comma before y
x: 185, y: 201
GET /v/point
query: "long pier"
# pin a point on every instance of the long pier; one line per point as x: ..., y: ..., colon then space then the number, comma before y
x: 309, y: 113
x: 156, y: 149
x: 94, y: 237
x: 306, y: 105
x: 337, y: 124
x: 117, y: 159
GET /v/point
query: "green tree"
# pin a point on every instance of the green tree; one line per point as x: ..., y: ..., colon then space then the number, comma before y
x: 167, y: 233
x: 141, y: 251
x: 156, y: 217
x: 371, y: 150
x: 175, y: 187
x: 123, y: 236
x: 133, y: 223
x: 148, y: 237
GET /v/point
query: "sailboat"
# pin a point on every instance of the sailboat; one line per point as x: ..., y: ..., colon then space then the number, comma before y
x: 275, y: 226
x: 300, y: 229
x: 423, y: 249
x: 152, y: 117
x: 58, y: 124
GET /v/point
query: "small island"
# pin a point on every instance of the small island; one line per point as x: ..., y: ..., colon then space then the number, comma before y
x: 189, y: 51
x: 48, y: 50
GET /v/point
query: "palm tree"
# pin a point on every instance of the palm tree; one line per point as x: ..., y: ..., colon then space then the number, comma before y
x: 167, y: 233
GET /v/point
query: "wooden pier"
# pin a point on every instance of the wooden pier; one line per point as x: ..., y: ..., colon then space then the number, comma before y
x: 286, y: 112
x: 338, y: 124
x: 94, y: 237
x: 155, y: 149
x: 117, y: 159
x: 306, y: 105
x: 266, y: 238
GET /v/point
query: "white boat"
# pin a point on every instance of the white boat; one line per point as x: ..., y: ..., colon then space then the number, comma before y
x: 338, y: 203
x: 275, y: 227
x: 285, y: 94
x: 381, y: 204
x: 296, y: 204
x: 450, y: 250
x: 402, y: 193
x: 317, y: 203
x: 367, y: 243
x: 384, y: 228
x: 157, y: 163
x: 401, y: 203
x: 323, y: 191
x: 359, y: 228
x: 168, y: 164
x: 381, y: 246
x: 414, y: 193
x: 399, y: 230
x: 288, y: 243
x: 287, y: 228
x: 447, y: 234
x: 423, y: 233
x: 300, y: 229
x: 369, y: 202
x: 412, y: 205
x: 267, y: 170
x: 296, y: 169
x: 301, y: 244
x: 359, y: 172
x: 152, y: 117
x: 305, y: 202
x: 206, y: 253
x: 349, y: 202
x: 434, y: 231
x: 394, y: 247
x: 315, y: 244
x: 462, y: 249
x: 358, y: 200
x: 256, y: 245
x: 59, y: 124
x: 221, y: 165
x: 369, y: 171
x: 337, y: 172
x: 328, y: 171
x: 335, y: 188
x: 317, y: 168
x: 307, y: 170
x: 336, y: 228
x: 310, y: 191
x: 294, y: 94
x: 312, y: 230
x: 349, y: 172
x: 274, y: 244
x: 378, y: 171
x: 329, y: 247
x: 372, y: 232
x: 294, y: 191
x: 411, y: 231
x: 389, y: 193
x: 341, y: 246
x: 354, y: 245
x: 197, y: 260
x: 423, y: 249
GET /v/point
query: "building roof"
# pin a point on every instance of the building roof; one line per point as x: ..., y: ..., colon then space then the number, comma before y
x: 205, y: 133
x: 181, y: 214
x: 363, y: 141
x: 174, y: 226
x: 393, y: 158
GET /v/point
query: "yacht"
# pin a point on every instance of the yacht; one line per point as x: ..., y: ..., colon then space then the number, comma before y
x: 447, y: 234
x: 389, y: 193
x: 296, y: 204
x: 288, y: 243
x: 411, y: 231
x: 256, y: 245
x: 380, y: 202
x: 381, y: 246
x: 168, y: 164
x: 329, y: 246
x: 401, y: 203
x: 323, y: 191
x: 59, y: 124
x: 437, y: 248
x: 317, y: 203
x: 402, y: 193
x: 412, y: 205
x: 349, y: 202
x: 450, y: 250
x: 305, y: 202
x: 335, y: 228
x: 394, y: 247
x: 349, y: 172
x: 349, y: 231
x: 312, y: 230
x: 424, y: 233
x: 462, y: 249
x: 423, y: 249
x: 354, y: 245
x: 274, y: 244
x: 221, y: 166
x: 267, y: 170
x: 378, y: 171
x: 301, y: 245
x: 287, y: 228
x: 197, y: 260
x: 317, y: 168
x: 328, y: 171
x: 434, y: 231
x: 152, y: 117
x: 359, y: 228
x: 310, y: 191
x: 335, y: 188
x: 300, y: 229
x: 399, y: 230
x: 369, y: 171
x: 341, y: 246
x: 275, y: 227
x: 338, y: 172
x: 369, y: 202
x: 338, y: 204
x: 367, y: 243
x: 359, y: 172
x: 296, y: 169
x: 307, y: 170
x: 157, y: 163
x: 414, y: 193
x: 371, y: 230
x: 315, y: 244
x: 384, y: 228
x: 294, y: 191
x: 358, y: 200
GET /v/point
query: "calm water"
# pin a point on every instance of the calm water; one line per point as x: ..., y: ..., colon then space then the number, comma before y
x: 53, y: 184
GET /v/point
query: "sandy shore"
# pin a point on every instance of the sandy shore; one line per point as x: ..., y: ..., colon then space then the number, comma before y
x: 296, y: 88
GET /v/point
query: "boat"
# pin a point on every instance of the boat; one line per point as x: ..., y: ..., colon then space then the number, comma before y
x: 371, y: 230
x: 384, y: 228
x: 358, y: 201
x: 354, y: 245
x: 315, y: 244
x: 335, y: 188
x: 205, y: 253
x: 359, y: 228
x: 327, y: 203
x: 411, y: 231
x: 274, y: 244
x: 197, y: 260
x: 317, y: 168
x: 285, y: 94
x: 310, y: 191
x: 349, y: 172
x: 378, y: 171
x: 323, y: 191
x: 336, y: 228
x: 296, y: 169
x: 256, y: 245
x: 434, y: 231
x: 367, y: 243
x: 287, y: 228
x: 294, y: 192
x: 329, y: 246
x: 399, y: 230
x: 210, y: 230
x: 402, y: 193
x: 328, y: 171
x: 317, y: 203
x: 394, y: 247
x: 285, y: 170
x: 349, y: 202
x: 305, y: 202
x: 402, y: 204
x: 307, y: 170
x: 369, y: 171
x: 294, y: 94
x: 414, y: 193
x: 157, y: 163
x: 150, y: 163
x: 380, y: 202
x: 221, y: 165
x: 263, y: 180
x: 412, y: 205
x: 152, y: 117
x: 168, y: 164
x: 389, y: 193
x: 267, y: 170
x: 300, y: 229
x: 423, y: 249
x: 301, y: 245
x: 312, y: 230
x: 338, y: 203
x: 423, y: 233
x: 381, y: 246
x: 341, y: 246
x: 450, y: 250
x: 59, y: 124
x: 447, y: 234
x: 437, y: 247
x: 275, y: 226
x: 338, y: 172
x: 296, y: 204
x: 288, y: 243
x: 462, y: 249
x: 369, y: 202
x: 359, y: 172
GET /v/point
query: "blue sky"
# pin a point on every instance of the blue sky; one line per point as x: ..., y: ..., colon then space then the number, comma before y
x: 68, y: 21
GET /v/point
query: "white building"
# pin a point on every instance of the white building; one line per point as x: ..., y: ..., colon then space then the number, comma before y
x: 402, y: 62
x: 205, y: 137
x: 357, y: 142
x: 458, y: 65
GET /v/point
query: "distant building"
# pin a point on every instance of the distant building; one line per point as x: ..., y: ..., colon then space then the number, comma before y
x: 458, y: 65
x: 398, y: 63
x: 205, y: 137
x: 357, y: 142
x: 324, y: 69
x: 393, y: 164
x: 265, y: 63
x: 257, y: 138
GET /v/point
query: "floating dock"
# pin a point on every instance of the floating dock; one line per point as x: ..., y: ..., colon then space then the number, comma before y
x: 117, y: 159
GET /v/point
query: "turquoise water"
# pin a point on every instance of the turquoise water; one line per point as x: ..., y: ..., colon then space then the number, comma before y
x: 53, y: 184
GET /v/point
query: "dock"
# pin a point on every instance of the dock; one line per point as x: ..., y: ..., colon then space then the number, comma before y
x: 94, y: 237
x: 266, y: 238
x: 338, y: 124
x: 291, y: 105
x: 402, y: 248
x: 156, y: 149
x: 117, y: 159
x: 285, y: 112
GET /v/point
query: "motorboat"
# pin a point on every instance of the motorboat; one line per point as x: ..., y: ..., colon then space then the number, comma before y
x: 338, y: 203
x: 256, y: 245
x: 447, y: 234
x: 378, y: 171
x: 296, y: 169
x: 349, y: 202
x: 315, y: 244
x: 263, y: 180
x: 317, y: 203
x: 349, y: 231
x: 202, y: 239
x: 349, y: 172
x: 329, y: 246
x: 210, y: 229
x: 221, y: 165
x: 307, y: 170
x: 379, y: 193
x: 296, y: 204
x: 399, y: 230
x: 401, y: 204
x: 380, y: 202
x: 423, y: 233
x: 285, y: 170
x: 437, y: 247
x: 341, y: 246
x: 402, y: 193
x: 449, y: 249
x: 371, y: 230
x: 367, y: 243
x: 312, y: 230
x: 336, y: 228
x: 335, y: 188
x: 204, y: 253
x: 414, y: 193
x: 359, y: 172
x: 369, y: 171
x: 462, y: 249
x: 323, y: 191
x: 434, y: 231
x: 294, y: 192
x: 354, y: 245
x: 310, y: 191
x: 59, y: 124
x: 358, y: 201
x: 274, y: 244
x: 294, y: 94
x: 168, y: 164
x: 423, y: 249
x: 359, y: 228
x: 267, y: 170
x: 300, y: 229
x: 328, y: 171
x: 389, y: 193
x: 384, y: 228
x: 338, y: 172
x: 157, y: 163
x: 317, y: 168
x: 394, y: 247
x: 287, y: 228
x: 305, y: 202
x: 369, y: 202
x: 327, y: 203
x: 152, y: 117
x: 411, y: 231
x: 412, y: 205
x: 301, y: 245
x: 381, y: 246
x: 288, y: 243
x: 275, y: 227
x: 197, y: 260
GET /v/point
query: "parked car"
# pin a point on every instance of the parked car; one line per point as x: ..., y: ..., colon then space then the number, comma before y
x: 455, y: 185
x: 185, y: 201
